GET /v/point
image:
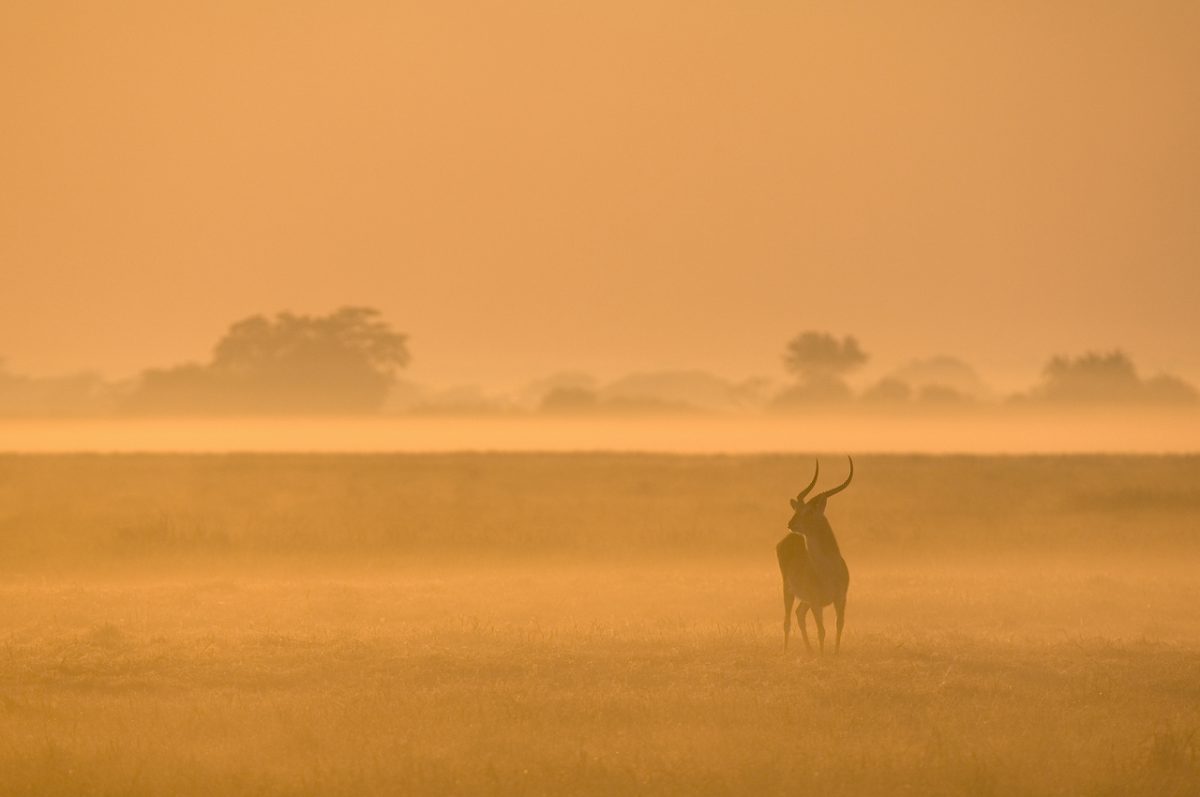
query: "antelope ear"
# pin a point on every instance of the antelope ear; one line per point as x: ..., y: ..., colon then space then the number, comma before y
x: 795, y: 505
x: 817, y: 507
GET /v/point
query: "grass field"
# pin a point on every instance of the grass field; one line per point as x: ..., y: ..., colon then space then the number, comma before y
x: 523, y: 624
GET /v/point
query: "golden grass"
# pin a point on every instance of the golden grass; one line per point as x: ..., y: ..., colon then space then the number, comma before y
x: 462, y: 664
x: 100, y: 510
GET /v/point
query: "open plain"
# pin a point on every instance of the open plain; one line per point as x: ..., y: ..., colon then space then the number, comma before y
x: 593, y: 623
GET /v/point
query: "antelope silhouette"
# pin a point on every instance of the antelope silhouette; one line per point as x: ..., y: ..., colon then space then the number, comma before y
x: 814, y: 572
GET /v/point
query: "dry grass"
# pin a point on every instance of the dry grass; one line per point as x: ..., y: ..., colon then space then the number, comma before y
x: 483, y: 666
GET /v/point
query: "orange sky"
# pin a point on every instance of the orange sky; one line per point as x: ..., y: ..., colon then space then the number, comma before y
x: 530, y: 186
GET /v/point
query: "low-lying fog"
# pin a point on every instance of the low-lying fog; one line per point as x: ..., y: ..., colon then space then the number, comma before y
x: 1079, y: 432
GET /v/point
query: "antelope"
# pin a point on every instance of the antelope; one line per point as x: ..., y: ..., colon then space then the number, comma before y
x: 814, y: 572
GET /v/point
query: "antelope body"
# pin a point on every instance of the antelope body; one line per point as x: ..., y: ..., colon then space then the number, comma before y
x: 814, y: 572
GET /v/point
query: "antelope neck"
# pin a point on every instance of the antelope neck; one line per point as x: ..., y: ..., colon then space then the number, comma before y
x: 819, y: 542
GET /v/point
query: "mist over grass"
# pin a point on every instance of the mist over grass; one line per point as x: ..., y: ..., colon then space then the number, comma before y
x: 1019, y: 430
x: 95, y: 508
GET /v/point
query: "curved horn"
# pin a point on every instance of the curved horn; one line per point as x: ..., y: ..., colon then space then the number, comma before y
x: 840, y: 487
x: 813, y: 483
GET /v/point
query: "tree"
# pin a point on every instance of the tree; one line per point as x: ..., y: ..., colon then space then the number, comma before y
x: 75, y: 394
x: 1107, y: 378
x: 1090, y: 377
x: 819, y: 357
x: 342, y: 362
x: 566, y: 399
x: 819, y: 360
x: 1167, y: 389
x: 942, y: 372
x: 889, y: 391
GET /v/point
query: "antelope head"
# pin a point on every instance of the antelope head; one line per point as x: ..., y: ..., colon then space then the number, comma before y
x: 806, y: 512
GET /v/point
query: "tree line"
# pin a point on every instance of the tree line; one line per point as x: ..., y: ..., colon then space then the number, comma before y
x: 819, y: 363
x: 349, y: 362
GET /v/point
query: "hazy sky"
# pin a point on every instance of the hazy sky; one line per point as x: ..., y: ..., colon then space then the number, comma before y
x: 525, y: 187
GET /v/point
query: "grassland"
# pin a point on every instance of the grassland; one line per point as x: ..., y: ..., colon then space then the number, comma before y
x: 521, y: 624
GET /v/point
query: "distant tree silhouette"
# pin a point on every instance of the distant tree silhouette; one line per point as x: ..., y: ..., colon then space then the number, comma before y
x: 941, y: 372
x: 888, y: 391
x: 1107, y: 378
x: 1089, y: 377
x: 1167, y: 389
x: 819, y: 361
x: 534, y: 394
x: 646, y: 392
x: 658, y: 390
x: 824, y: 391
x: 76, y: 394
x: 566, y: 399
x: 819, y: 356
x: 342, y: 362
x: 942, y: 396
